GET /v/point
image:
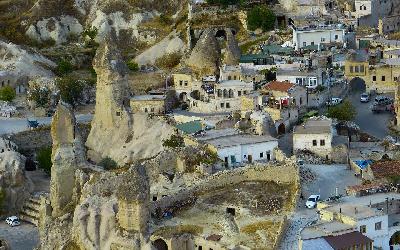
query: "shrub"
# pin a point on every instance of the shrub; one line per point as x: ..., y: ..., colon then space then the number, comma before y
x: 44, y: 159
x: 133, y: 66
x: 261, y: 17
x: 70, y: 89
x: 64, y: 67
x: 39, y: 95
x: 169, y: 61
x: 175, y: 141
x: 342, y: 112
x: 108, y: 163
x: 165, y: 19
x: 7, y: 93
x: 90, y: 32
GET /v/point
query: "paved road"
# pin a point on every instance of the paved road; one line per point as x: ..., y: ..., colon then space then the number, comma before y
x: 373, y: 124
x: 15, y: 125
x: 327, y: 178
x: 23, y: 237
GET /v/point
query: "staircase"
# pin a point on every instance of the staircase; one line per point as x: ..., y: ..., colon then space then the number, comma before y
x: 30, y: 210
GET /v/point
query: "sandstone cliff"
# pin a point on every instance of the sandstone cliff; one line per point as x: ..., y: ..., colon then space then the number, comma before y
x: 113, y: 123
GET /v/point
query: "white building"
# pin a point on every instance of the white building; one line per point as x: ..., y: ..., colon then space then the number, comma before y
x: 375, y: 216
x: 362, y: 8
x: 315, y: 36
x: 308, y: 78
x: 314, y: 135
x: 236, y: 149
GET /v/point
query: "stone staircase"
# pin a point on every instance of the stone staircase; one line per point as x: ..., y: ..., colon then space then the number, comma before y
x: 30, y: 210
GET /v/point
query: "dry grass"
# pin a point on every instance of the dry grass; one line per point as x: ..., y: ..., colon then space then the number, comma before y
x: 140, y: 83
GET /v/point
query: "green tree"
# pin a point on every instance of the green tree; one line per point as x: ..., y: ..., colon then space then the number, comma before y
x: 342, y: 112
x: 64, y: 67
x: 133, y: 66
x: 70, y: 89
x: 44, y: 159
x: 108, y: 163
x: 39, y: 95
x: 261, y: 17
x: 7, y: 93
x: 175, y: 141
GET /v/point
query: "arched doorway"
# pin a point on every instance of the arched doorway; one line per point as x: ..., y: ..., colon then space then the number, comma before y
x: 394, y: 241
x: 183, y: 96
x: 357, y: 85
x: 221, y: 34
x: 160, y: 244
x: 281, y: 129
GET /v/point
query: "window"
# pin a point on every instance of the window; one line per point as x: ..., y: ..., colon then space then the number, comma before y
x: 301, y: 101
x: 228, y: 105
x: 234, y: 77
x: 299, y: 81
x: 118, y: 114
x: 200, y: 248
x: 314, y: 142
x: 180, y: 82
x: 312, y: 43
x: 222, y: 105
x: 361, y: 8
x: 245, y: 92
x: 145, y: 110
x: 322, y: 39
x: 152, y: 109
x: 378, y: 225
x: 356, y: 69
x: 383, y: 78
x: 229, y: 78
x: 361, y: 68
x: 363, y: 229
x: 395, y: 78
x: 154, y: 198
x: 322, y: 142
x: 336, y: 37
x: 239, y: 93
x: 186, y: 83
x: 304, y: 44
x: 351, y: 69
x: 261, y: 155
x: 373, y: 78
x: 365, y: 7
x: 268, y: 153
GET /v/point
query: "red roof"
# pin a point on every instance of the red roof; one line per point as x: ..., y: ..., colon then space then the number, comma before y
x: 279, y: 86
x: 348, y: 240
x: 384, y: 169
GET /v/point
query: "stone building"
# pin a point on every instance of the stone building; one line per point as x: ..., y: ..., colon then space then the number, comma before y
x: 314, y: 135
x: 237, y: 72
x: 8, y: 79
x: 150, y: 104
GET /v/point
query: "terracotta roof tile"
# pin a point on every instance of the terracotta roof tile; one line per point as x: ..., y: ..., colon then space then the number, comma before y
x: 384, y: 169
x: 279, y: 86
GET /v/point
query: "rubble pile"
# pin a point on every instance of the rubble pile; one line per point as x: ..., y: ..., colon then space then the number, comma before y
x: 311, y: 158
x: 306, y: 175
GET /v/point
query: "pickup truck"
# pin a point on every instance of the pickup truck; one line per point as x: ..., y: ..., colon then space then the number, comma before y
x: 378, y: 108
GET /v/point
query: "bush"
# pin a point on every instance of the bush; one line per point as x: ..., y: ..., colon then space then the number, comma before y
x: 44, y: 159
x: 90, y: 32
x: 108, y: 163
x: 70, y: 89
x: 169, y: 61
x: 7, y: 93
x: 342, y: 112
x: 175, y: 141
x: 40, y: 95
x: 165, y: 19
x: 64, y: 67
x: 133, y: 66
x: 261, y: 17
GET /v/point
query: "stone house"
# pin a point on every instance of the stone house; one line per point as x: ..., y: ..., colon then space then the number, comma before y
x: 8, y: 79
x: 238, y: 72
x: 236, y: 149
x: 314, y: 135
x: 308, y: 78
x: 184, y: 84
x: 315, y: 36
x: 287, y: 93
x: 151, y: 104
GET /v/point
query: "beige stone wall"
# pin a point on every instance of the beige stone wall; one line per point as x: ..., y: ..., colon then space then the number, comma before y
x: 132, y: 216
x: 305, y: 141
x: 148, y: 106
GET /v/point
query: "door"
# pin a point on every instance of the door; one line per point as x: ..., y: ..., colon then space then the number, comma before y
x: 250, y: 158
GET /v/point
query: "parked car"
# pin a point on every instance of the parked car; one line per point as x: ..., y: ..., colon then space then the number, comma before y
x: 334, y: 101
x: 13, y: 221
x: 364, y: 97
x: 312, y: 201
x: 383, y: 100
x: 32, y: 123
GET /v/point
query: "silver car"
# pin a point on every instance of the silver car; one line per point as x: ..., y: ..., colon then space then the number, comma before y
x: 364, y: 97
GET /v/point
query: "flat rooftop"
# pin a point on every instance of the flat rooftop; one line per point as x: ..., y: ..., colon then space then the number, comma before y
x: 148, y: 97
x: 296, y: 72
x: 314, y: 126
x: 324, y: 228
x: 230, y: 137
x: 234, y: 83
